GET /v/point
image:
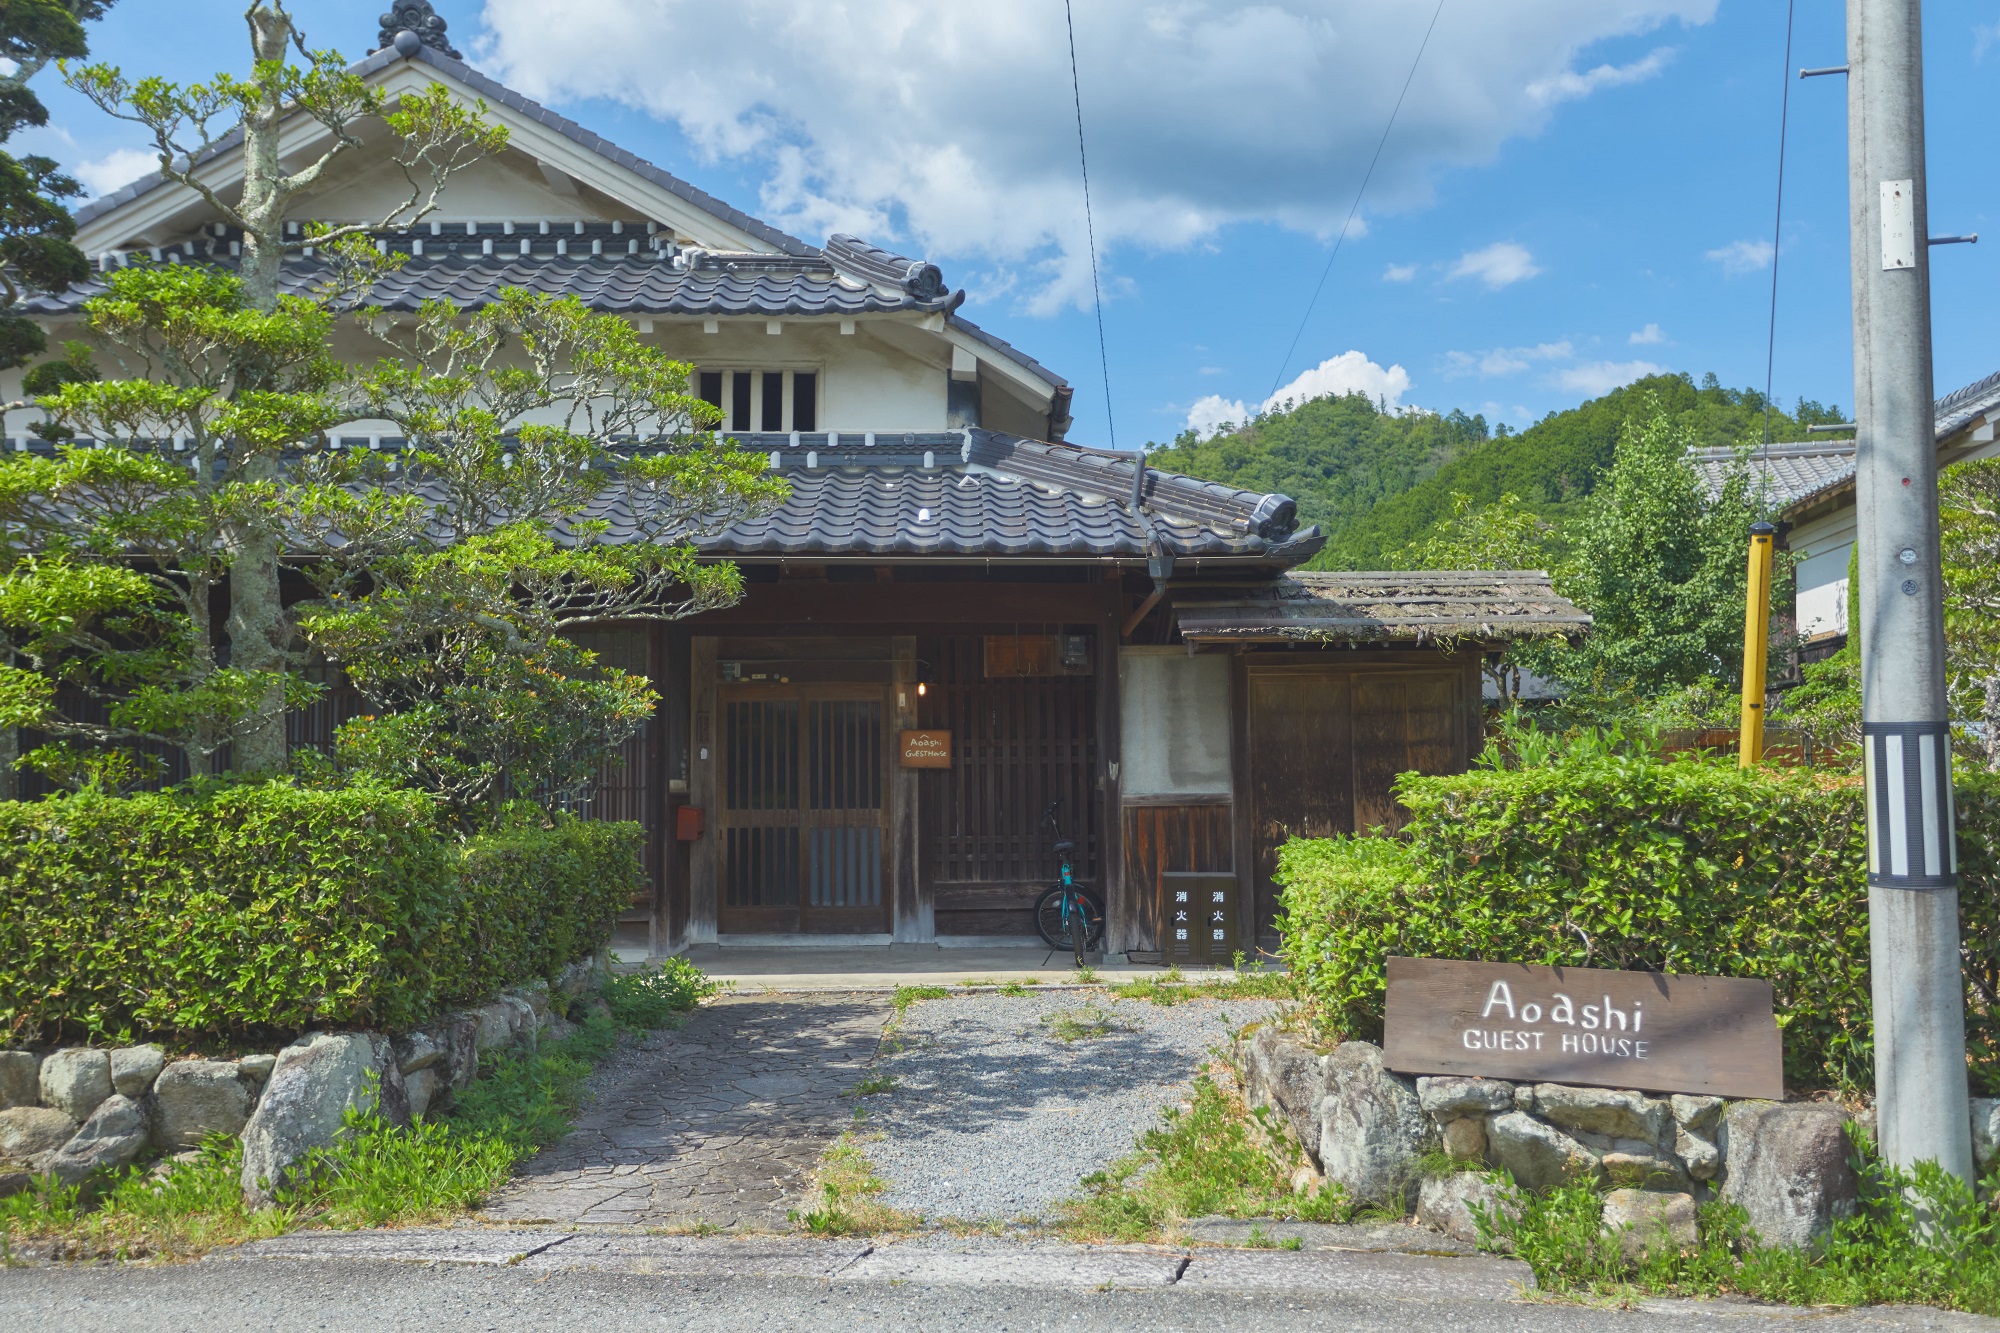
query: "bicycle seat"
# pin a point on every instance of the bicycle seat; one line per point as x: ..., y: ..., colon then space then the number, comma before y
x: 1065, y: 845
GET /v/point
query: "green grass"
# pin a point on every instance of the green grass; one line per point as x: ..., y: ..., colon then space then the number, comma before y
x: 1878, y: 1256
x: 1171, y: 987
x: 1087, y: 975
x: 908, y: 995
x: 847, y: 1195
x: 874, y: 1083
x: 1070, y: 1025
x: 1214, y: 1158
x: 376, y: 1174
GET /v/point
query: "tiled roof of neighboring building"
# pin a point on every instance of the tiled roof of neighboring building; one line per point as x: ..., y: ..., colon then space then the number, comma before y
x: 1421, y: 607
x: 1781, y: 473
x: 1791, y: 474
x: 986, y: 494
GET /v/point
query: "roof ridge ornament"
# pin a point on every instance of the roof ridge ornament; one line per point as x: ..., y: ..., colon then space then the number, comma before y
x: 417, y: 18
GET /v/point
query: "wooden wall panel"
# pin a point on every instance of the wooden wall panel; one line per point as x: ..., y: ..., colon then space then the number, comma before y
x: 1160, y: 838
x: 1405, y: 721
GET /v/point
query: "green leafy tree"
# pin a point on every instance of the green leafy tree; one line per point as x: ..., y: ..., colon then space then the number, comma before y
x: 435, y: 137
x: 36, y: 251
x: 1660, y: 566
x: 1502, y: 535
x: 445, y: 581
x: 1969, y: 528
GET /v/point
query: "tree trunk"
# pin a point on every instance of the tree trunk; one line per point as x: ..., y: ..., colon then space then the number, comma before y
x: 1992, y: 721
x: 259, y: 637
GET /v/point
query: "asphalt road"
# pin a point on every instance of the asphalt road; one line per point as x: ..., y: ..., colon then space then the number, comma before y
x: 363, y: 1297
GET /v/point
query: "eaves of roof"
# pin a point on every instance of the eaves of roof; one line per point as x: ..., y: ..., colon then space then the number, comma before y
x: 1426, y: 606
x: 494, y: 91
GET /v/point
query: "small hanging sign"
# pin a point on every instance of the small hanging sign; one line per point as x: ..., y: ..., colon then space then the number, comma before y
x: 1646, y: 1030
x: 925, y: 749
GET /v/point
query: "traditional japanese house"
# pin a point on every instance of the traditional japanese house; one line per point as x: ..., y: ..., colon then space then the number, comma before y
x: 957, y: 623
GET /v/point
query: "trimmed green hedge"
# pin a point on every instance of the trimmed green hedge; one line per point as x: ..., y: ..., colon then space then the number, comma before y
x: 266, y: 908
x: 1634, y: 862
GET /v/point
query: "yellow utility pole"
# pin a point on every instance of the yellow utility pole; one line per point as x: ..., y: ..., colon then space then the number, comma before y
x: 1756, y: 645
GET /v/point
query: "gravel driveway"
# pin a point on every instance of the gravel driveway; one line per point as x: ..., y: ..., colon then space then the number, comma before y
x: 994, y: 1116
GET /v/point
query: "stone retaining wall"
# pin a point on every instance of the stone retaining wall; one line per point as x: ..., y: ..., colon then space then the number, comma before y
x: 79, y: 1111
x: 1366, y: 1128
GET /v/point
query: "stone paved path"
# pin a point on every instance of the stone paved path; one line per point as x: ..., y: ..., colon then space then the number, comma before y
x: 718, y: 1124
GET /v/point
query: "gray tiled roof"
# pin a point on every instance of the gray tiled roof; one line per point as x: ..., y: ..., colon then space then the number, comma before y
x: 709, y: 284
x: 1419, y: 607
x: 990, y: 495
x: 1788, y: 475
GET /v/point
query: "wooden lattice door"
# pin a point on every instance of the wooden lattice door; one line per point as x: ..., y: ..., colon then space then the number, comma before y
x: 803, y: 819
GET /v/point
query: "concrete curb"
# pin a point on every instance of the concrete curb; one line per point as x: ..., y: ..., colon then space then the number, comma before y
x: 1065, y: 1267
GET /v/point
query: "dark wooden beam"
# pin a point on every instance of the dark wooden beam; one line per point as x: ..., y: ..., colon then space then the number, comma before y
x: 854, y: 606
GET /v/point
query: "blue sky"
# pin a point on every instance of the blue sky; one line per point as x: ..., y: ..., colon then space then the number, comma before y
x: 1576, y: 190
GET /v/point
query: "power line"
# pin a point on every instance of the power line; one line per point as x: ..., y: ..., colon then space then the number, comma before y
x: 1778, y: 221
x: 1089, y: 225
x: 1365, y: 178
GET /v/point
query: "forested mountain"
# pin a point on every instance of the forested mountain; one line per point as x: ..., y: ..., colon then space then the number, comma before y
x: 1376, y: 481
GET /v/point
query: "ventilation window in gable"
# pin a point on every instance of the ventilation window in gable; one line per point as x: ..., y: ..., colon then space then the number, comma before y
x: 768, y: 401
x: 739, y: 401
x: 774, y: 400
x: 805, y: 400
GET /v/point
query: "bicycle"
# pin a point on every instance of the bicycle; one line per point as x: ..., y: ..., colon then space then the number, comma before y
x: 1067, y: 916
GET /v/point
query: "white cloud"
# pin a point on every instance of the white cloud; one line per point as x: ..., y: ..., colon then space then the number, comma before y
x: 1504, y: 360
x: 120, y: 166
x: 1600, y: 377
x: 1740, y: 257
x: 1647, y: 337
x: 1209, y: 415
x: 1399, y: 272
x: 1569, y: 84
x: 950, y: 129
x: 1500, y: 264
x: 1984, y: 36
x: 1350, y: 372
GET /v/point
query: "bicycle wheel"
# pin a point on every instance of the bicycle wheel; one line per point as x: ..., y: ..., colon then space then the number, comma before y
x: 1049, y: 919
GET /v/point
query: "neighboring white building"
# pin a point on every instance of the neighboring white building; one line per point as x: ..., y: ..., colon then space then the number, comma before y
x: 1811, y: 486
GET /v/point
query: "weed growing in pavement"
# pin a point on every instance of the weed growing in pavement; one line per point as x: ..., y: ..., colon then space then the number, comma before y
x: 908, y: 995
x: 1881, y: 1255
x: 653, y: 997
x: 1170, y: 987
x: 1087, y: 975
x: 1292, y: 1243
x: 849, y: 1197
x: 1212, y: 1157
x: 1069, y: 1025
x: 874, y: 1083
x: 973, y: 983
x: 375, y: 1174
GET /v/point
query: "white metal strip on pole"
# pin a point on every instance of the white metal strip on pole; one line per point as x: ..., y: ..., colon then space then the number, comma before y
x: 1918, y: 989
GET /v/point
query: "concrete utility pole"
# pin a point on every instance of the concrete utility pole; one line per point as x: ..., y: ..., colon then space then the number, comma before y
x: 1919, y: 993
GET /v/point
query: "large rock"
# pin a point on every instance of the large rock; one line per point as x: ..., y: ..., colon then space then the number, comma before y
x: 1465, y: 1138
x: 195, y: 1098
x: 1698, y: 1115
x: 75, y: 1080
x: 1537, y: 1155
x: 133, y: 1069
x: 1283, y: 1074
x: 1985, y: 1131
x: 1647, y: 1222
x: 458, y: 1034
x: 506, y: 1022
x: 20, y: 1079
x: 1372, y: 1129
x: 114, y: 1136
x: 1616, y: 1114
x: 1445, y: 1203
x: 1645, y: 1171
x: 1789, y: 1169
x: 1455, y: 1098
x: 317, y: 1079
x: 28, y: 1134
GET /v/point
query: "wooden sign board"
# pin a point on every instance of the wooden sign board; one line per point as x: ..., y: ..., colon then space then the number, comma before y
x: 925, y: 749
x: 1645, y: 1030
